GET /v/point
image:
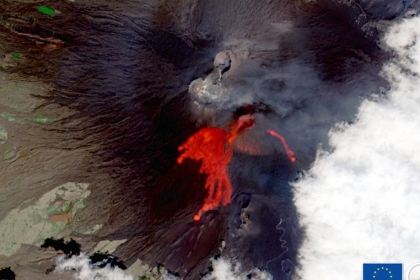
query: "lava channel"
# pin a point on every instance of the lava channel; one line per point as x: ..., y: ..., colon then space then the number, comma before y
x: 289, y: 152
x: 213, y: 146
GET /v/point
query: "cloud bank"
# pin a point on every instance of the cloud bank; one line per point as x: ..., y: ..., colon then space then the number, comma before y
x: 359, y: 203
x: 226, y: 270
x: 82, y: 269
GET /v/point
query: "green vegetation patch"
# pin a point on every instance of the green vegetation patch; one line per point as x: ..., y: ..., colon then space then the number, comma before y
x: 59, y: 208
x: 92, y: 229
x: 16, y: 55
x: 10, y: 153
x: 3, y: 135
x: 8, y: 117
x: 46, y: 10
x: 41, y: 119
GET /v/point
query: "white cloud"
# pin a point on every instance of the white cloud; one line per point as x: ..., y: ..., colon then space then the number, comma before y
x: 360, y: 203
x: 83, y: 270
x: 224, y: 269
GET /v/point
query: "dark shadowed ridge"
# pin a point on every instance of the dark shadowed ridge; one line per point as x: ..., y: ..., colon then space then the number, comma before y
x: 69, y: 248
x: 7, y: 274
x: 123, y: 68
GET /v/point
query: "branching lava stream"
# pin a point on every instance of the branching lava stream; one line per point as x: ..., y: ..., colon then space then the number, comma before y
x: 213, y: 146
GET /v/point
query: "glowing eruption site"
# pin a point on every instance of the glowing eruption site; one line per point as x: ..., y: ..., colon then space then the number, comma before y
x: 213, y: 146
x: 289, y: 152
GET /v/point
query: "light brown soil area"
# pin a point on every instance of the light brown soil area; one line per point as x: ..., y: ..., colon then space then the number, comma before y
x: 41, y: 194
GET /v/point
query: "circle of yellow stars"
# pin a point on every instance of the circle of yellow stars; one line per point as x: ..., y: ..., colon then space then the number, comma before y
x: 382, y: 268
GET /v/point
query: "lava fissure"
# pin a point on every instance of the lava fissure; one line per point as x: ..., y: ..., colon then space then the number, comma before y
x: 289, y: 152
x: 213, y: 146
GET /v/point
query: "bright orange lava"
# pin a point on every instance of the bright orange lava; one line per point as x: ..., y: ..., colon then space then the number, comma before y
x: 289, y: 152
x: 213, y: 146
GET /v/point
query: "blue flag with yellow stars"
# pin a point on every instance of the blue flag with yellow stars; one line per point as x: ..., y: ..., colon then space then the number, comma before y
x: 382, y: 271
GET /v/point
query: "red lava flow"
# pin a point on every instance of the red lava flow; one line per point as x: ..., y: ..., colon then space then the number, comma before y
x: 213, y: 146
x: 289, y: 152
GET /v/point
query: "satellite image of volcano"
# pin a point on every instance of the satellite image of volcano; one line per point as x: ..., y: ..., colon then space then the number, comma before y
x: 208, y: 139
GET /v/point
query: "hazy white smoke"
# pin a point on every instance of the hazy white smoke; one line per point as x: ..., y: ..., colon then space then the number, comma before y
x: 360, y: 203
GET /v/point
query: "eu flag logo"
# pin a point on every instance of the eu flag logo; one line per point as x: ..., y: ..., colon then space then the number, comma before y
x: 382, y: 271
